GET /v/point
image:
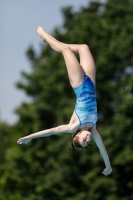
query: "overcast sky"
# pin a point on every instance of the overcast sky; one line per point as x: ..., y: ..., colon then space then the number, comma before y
x: 18, y: 24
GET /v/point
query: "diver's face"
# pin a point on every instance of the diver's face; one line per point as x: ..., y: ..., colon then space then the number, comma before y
x: 84, y: 138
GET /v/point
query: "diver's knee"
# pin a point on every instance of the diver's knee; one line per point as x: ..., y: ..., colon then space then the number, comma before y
x: 84, y: 47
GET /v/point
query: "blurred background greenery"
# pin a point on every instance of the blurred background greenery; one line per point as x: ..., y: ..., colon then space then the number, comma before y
x: 47, y: 168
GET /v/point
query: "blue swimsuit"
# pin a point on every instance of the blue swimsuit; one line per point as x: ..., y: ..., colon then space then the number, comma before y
x: 86, y: 105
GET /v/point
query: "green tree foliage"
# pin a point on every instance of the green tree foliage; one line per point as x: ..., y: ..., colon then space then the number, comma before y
x: 47, y: 168
x: 4, y: 141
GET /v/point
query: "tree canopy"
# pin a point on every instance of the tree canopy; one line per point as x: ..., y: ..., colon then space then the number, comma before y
x: 47, y: 168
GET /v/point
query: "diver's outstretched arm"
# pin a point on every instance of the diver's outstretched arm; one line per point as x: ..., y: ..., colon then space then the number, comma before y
x: 69, y: 128
x: 98, y: 140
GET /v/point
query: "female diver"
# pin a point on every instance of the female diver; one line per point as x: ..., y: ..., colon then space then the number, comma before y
x: 82, y: 79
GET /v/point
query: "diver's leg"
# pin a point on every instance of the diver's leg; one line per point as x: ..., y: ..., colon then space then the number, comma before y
x: 75, y: 71
x: 86, y: 59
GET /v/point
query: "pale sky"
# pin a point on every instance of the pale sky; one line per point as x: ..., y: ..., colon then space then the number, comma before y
x: 18, y: 23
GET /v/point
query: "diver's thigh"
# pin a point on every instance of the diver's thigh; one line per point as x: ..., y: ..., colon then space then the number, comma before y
x: 74, y: 69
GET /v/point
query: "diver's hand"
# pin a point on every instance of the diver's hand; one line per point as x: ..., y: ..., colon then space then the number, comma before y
x: 107, y: 171
x: 24, y: 140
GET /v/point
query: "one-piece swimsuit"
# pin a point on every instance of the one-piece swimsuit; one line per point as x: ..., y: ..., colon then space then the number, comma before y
x: 86, y: 105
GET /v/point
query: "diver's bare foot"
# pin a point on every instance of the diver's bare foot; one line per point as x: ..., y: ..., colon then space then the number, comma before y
x: 41, y: 32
